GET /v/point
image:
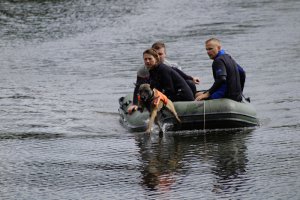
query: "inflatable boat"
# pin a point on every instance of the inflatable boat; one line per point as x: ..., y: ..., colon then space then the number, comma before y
x: 194, y: 115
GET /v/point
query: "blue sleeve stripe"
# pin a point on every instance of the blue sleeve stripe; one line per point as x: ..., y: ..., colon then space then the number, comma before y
x: 220, y: 93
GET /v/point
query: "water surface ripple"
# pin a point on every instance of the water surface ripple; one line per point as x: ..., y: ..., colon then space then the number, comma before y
x: 64, y: 64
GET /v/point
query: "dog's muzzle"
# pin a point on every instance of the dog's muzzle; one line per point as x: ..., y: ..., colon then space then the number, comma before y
x: 143, y: 98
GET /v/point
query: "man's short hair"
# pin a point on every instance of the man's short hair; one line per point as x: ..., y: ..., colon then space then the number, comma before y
x: 158, y: 45
x: 213, y: 40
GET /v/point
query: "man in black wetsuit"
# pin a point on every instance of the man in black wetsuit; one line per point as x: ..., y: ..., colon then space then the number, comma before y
x: 165, y: 79
x: 228, y: 75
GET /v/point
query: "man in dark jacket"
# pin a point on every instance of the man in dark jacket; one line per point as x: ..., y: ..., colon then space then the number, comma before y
x: 228, y: 75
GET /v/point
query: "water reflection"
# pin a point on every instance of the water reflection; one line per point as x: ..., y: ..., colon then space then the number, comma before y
x: 165, y: 161
x: 229, y: 156
x: 161, y: 158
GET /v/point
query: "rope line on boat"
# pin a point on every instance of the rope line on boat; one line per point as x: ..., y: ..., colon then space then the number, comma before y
x: 204, y: 115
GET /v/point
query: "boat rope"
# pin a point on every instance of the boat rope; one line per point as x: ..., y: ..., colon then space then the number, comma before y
x: 204, y: 115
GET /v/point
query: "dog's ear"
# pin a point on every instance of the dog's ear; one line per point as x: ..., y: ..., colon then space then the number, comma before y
x: 139, y: 90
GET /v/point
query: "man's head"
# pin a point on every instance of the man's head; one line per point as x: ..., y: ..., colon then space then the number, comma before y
x: 212, y: 46
x: 160, y: 48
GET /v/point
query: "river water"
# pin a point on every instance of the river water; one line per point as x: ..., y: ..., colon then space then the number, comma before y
x: 64, y: 64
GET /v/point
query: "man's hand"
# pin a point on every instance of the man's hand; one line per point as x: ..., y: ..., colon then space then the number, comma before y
x: 201, y: 96
x: 131, y: 109
x: 196, y: 80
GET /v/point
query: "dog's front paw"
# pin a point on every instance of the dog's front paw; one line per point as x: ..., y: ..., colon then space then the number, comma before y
x: 148, y: 132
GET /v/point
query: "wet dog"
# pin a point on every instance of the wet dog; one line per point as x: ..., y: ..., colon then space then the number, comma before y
x: 154, y: 101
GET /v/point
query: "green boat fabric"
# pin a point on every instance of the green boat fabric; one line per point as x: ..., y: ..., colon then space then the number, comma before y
x: 209, y: 114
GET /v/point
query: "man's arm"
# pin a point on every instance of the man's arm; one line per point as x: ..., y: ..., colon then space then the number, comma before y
x: 182, y: 74
x: 242, y: 76
x: 220, y: 75
x: 217, y: 84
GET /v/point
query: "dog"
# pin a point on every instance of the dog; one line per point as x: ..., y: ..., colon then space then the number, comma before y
x: 154, y: 101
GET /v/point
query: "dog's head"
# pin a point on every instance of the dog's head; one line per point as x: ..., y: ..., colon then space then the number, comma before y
x: 145, y: 92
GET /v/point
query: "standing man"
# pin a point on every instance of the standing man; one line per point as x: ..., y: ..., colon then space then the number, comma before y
x: 228, y: 75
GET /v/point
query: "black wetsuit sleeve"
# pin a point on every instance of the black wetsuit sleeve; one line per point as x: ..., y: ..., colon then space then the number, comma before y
x: 135, y: 94
x: 182, y: 74
x: 242, y: 76
x: 217, y: 84
x: 219, y: 73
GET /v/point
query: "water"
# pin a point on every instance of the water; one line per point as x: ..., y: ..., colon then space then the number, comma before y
x: 64, y: 64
